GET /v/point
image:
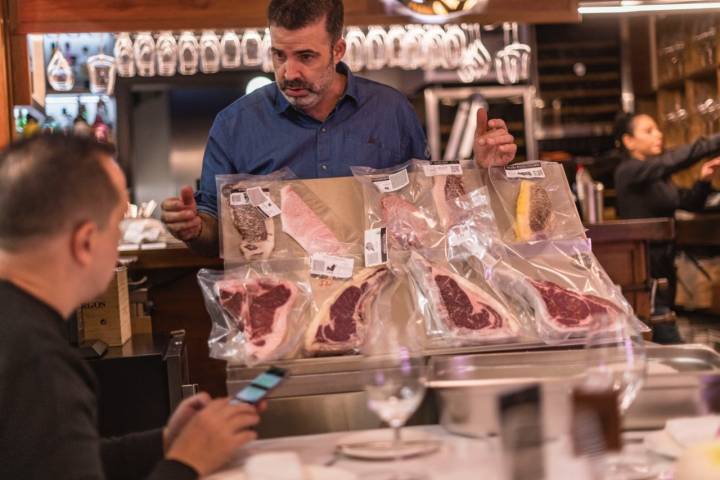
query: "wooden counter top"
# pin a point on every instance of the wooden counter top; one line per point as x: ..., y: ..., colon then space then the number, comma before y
x: 653, y: 229
x: 701, y: 231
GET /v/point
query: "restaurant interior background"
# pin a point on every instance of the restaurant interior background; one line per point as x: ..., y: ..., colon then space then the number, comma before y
x: 152, y: 76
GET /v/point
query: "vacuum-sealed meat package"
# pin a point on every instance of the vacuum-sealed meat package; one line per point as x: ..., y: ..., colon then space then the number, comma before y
x: 458, y: 306
x: 533, y: 202
x: 345, y: 295
x: 400, y: 199
x: 556, y: 286
x: 258, y: 311
x: 275, y: 216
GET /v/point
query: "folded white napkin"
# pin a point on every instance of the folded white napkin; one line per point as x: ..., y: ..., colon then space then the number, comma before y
x: 693, y: 430
x: 274, y: 466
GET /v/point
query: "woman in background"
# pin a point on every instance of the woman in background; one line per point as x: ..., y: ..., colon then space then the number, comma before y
x: 644, y: 190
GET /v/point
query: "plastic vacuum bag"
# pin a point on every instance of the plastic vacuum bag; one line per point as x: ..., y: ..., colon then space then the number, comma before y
x: 275, y: 216
x: 533, y: 202
x: 458, y: 306
x: 556, y: 286
x: 247, y: 232
x: 258, y: 311
x: 345, y: 317
x: 400, y: 199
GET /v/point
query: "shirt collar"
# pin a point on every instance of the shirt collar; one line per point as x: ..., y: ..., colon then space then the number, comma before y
x: 351, y: 90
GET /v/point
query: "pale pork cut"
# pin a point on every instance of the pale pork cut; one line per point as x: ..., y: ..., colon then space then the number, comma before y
x: 302, y: 224
x: 559, y: 309
x: 260, y: 308
x: 406, y: 225
x: 459, y: 306
x: 342, y: 322
x: 447, y: 188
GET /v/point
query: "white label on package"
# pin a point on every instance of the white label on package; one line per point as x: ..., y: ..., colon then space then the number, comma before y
x: 442, y: 169
x: 259, y: 199
x: 392, y: 183
x: 460, y: 235
x: 238, y: 199
x: 525, y: 170
x: 375, y: 247
x: 331, y: 266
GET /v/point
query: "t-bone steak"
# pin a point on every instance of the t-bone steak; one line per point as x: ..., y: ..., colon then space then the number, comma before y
x: 559, y: 309
x: 260, y: 307
x: 256, y: 231
x: 407, y: 226
x: 459, y: 306
x: 446, y: 188
x: 303, y: 224
x: 342, y: 322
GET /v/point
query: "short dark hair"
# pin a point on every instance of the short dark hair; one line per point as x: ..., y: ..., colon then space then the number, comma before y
x: 296, y: 14
x: 52, y: 182
x: 624, y: 125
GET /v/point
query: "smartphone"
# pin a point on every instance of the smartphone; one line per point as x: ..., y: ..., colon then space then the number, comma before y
x: 260, y: 386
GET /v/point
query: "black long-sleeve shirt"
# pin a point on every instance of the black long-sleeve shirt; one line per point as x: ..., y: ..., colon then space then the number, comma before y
x: 48, y: 406
x: 644, y: 188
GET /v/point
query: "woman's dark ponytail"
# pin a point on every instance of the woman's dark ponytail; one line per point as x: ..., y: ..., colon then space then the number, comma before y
x: 624, y: 125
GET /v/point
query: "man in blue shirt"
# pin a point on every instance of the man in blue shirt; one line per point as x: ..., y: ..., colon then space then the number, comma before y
x: 317, y: 119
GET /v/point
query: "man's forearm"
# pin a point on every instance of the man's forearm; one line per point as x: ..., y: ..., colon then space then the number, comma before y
x: 207, y: 242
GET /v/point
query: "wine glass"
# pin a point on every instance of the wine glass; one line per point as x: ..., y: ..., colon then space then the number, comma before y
x: 124, y: 55
x: 188, y: 53
x: 230, y: 47
x: 167, y: 54
x: 209, y: 52
x: 144, y: 52
x: 394, y: 392
x: 616, y: 361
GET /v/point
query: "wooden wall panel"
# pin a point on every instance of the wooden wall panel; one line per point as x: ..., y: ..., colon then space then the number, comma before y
x: 37, y: 16
x: 6, y: 102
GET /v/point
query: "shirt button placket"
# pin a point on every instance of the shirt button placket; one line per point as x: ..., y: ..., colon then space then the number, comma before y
x: 323, y: 152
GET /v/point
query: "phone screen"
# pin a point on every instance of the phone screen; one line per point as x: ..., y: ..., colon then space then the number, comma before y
x: 267, y: 380
x: 251, y: 394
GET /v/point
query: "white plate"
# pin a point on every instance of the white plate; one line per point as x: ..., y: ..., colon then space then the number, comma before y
x: 313, y: 472
x: 378, y: 445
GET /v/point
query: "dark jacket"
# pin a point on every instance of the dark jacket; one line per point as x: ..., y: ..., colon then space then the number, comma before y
x: 644, y: 188
x: 48, y: 406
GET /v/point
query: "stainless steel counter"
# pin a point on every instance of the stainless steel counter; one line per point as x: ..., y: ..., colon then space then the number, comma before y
x: 327, y: 394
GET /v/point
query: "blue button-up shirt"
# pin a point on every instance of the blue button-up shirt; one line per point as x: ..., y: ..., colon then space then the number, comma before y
x: 372, y: 125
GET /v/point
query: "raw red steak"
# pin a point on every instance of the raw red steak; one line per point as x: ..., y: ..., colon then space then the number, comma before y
x: 341, y: 323
x: 458, y: 305
x: 559, y: 310
x: 260, y: 308
x: 570, y: 309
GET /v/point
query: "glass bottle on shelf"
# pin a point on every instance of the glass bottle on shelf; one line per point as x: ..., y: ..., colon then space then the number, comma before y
x: 124, y: 55
x: 31, y: 127
x: 144, y: 50
x: 209, y: 52
x: 100, y: 127
x: 59, y: 72
x: 80, y: 124
x: 167, y: 51
x: 65, y: 121
x: 188, y: 53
